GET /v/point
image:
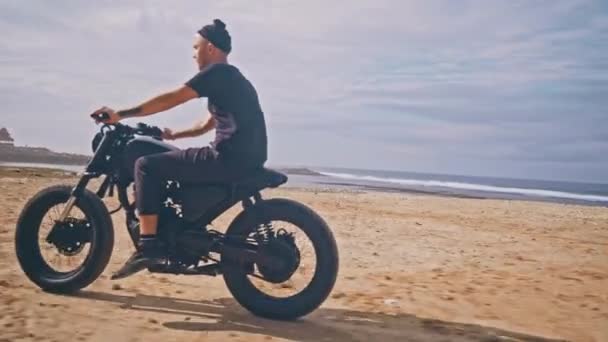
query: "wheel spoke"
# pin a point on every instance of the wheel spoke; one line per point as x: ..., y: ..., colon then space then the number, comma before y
x: 56, y: 213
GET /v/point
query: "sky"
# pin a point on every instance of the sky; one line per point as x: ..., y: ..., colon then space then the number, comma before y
x: 489, y: 88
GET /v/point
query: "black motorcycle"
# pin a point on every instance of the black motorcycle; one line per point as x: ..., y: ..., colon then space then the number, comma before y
x: 278, y: 257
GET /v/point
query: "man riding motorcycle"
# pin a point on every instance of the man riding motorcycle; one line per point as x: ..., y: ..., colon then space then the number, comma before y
x: 239, y: 147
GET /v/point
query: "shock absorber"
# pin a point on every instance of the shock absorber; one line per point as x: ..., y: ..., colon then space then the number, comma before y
x: 264, y: 232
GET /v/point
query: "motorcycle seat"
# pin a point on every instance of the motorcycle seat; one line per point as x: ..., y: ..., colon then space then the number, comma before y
x: 264, y: 178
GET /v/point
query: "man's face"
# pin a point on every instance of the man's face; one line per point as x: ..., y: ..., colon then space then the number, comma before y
x: 203, y: 51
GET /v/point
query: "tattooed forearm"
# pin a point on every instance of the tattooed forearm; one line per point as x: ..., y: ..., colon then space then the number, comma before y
x: 160, y: 103
x: 128, y: 113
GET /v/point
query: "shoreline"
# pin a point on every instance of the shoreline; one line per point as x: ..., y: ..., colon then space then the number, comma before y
x: 479, y: 196
x: 42, y: 172
x: 18, y: 171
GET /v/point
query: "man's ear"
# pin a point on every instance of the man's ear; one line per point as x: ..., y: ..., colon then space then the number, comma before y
x: 211, y: 48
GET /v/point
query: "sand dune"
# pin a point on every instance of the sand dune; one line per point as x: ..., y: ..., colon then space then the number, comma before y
x: 413, y: 268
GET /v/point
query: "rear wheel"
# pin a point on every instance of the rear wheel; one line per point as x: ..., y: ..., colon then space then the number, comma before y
x: 306, y: 248
x: 69, y: 255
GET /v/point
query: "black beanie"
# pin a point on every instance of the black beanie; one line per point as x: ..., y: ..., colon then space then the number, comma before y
x: 216, y: 33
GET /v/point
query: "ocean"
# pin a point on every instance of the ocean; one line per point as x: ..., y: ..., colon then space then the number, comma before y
x: 74, y: 168
x: 441, y: 184
x: 464, y: 186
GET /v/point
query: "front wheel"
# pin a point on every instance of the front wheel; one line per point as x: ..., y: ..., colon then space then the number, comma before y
x: 303, y: 242
x: 68, y: 255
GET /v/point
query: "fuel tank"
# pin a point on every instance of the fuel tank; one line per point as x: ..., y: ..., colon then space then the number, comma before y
x: 139, y: 147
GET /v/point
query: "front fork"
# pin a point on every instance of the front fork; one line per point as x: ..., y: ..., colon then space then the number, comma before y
x: 91, y: 171
x: 76, y: 193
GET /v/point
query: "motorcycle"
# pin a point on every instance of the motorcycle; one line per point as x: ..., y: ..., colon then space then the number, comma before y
x: 262, y: 255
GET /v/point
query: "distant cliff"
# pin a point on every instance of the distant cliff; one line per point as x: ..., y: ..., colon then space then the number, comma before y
x: 22, y: 154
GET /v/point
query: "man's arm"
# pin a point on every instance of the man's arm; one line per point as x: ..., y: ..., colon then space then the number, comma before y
x: 160, y: 103
x: 199, y: 128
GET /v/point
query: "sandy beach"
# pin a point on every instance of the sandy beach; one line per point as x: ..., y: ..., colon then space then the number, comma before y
x: 413, y: 268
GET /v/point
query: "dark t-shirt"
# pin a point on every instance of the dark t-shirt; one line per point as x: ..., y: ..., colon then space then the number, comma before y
x: 240, y: 131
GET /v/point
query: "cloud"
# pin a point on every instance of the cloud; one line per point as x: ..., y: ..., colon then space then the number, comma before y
x: 467, y: 86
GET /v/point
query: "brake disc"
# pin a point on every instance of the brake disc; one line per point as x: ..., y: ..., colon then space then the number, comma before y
x: 70, y: 236
x: 282, y: 246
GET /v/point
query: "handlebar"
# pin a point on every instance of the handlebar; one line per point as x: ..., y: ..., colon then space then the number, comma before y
x: 140, y: 129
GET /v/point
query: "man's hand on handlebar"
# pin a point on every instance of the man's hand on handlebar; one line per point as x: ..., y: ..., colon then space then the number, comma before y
x: 168, y: 134
x: 106, y: 115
